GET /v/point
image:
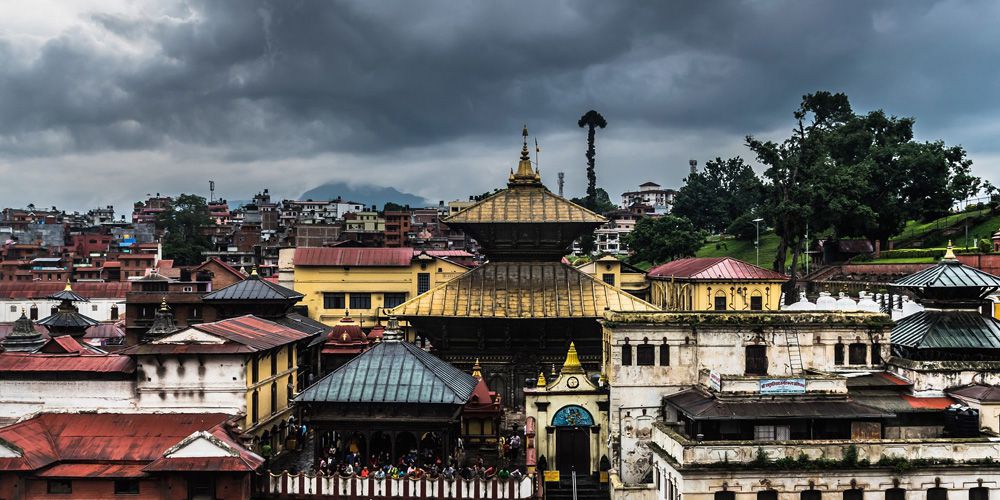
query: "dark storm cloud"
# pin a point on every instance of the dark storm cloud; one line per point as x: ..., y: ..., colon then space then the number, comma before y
x: 276, y: 80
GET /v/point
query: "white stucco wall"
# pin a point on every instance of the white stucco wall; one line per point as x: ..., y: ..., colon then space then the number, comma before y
x: 19, y: 398
x: 192, y: 383
x: 99, y: 309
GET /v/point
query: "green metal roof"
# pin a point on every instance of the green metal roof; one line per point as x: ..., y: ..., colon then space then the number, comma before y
x: 947, y: 330
x: 393, y: 372
x: 950, y: 274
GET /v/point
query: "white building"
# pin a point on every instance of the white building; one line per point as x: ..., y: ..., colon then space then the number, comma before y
x: 610, y: 237
x: 650, y: 194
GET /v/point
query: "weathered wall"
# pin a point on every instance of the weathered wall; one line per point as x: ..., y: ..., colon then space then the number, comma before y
x: 23, y: 397
x: 192, y: 383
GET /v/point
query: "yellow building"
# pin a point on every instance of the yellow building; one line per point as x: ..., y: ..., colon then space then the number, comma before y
x: 617, y: 273
x: 365, y: 281
x: 368, y: 222
x: 714, y: 284
x: 243, y: 365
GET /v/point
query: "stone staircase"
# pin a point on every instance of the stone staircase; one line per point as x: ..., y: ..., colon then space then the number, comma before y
x: 586, y: 489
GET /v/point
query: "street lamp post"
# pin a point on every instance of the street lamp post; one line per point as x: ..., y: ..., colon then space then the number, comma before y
x: 756, y: 242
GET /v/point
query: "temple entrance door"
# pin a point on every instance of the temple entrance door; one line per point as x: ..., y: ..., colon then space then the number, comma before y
x: 573, y: 451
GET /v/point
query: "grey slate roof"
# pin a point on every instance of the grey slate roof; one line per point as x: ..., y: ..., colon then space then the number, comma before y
x: 393, y: 372
x: 301, y: 323
x: 956, y: 329
x: 950, y: 274
x: 69, y: 295
x: 253, y: 288
x: 68, y: 319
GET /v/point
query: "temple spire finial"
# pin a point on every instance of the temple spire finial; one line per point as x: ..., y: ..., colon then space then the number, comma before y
x: 68, y: 288
x: 541, y: 380
x: 572, y: 364
x: 526, y: 173
x: 949, y: 254
x: 477, y: 370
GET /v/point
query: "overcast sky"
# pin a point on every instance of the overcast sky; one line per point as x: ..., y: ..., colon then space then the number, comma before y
x: 103, y: 101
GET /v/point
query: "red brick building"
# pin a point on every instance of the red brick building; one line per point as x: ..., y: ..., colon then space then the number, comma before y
x: 148, y: 456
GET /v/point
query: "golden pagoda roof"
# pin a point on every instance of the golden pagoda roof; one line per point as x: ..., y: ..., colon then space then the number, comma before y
x: 521, y: 290
x: 525, y: 200
x: 572, y: 363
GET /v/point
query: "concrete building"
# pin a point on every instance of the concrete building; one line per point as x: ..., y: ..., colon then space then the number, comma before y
x: 616, y: 272
x: 650, y: 194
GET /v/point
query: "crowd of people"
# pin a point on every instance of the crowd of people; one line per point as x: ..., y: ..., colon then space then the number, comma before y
x: 416, y: 464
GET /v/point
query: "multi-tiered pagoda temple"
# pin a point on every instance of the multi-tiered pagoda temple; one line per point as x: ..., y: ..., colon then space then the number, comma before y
x: 519, y: 312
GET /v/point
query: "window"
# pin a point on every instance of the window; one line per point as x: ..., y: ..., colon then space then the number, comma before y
x: 361, y: 301
x: 126, y: 487
x: 645, y: 355
x: 664, y: 354
x: 255, y: 402
x: 626, y: 354
x: 274, y: 398
x: 59, y: 486
x: 393, y: 299
x: 725, y: 495
x: 195, y: 312
x: 937, y: 494
x: 423, y: 282
x: 857, y: 353
x: 767, y: 495
x: 757, y: 304
x: 333, y: 301
x: 756, y: 360
x: 876, y: 354
x: 811, y: 495
x: 114, y: 311
x: 720, y: 302
x: 13, y: 309
x: 854, y: 494
x: 201, y: 488
x: 979, y: 493
x: 254, y: 370
x: 33, y: 313
x: 609, y: 278
x: 771, y: 432
x: 274, y: 363
x: 895, y: 494
x: 290, y: 357
x: 838, y: 354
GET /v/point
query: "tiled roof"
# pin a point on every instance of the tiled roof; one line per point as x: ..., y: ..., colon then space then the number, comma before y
x: 950, y: 274
x: 90, y: 290
x: 94, y: 441
x: 979, y: 392
x: 714, y: 268
x: 522, y: 290
x: 253, y: 288
x: 77, y: 362
x: 393, y: 372
x: 700, y: 406
x: 525, y: 204
x: 947, y: 329
x: 353, y: 257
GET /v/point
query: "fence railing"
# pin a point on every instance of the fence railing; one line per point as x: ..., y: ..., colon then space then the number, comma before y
x: 302, y: 485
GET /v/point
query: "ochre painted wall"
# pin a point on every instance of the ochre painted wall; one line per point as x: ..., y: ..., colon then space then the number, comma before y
x: 681, y: 295
x: 314, y: 281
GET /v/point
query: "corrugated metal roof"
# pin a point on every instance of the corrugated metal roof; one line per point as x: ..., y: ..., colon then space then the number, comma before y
x: 525, y: 204
x: 253, y: 288
x: 949, y: 274
x: 979, y: 392
x: 714, y: 268
x: 104, y: 438
x: 90, y: 470
x: 38, y: 289
x: 67, y: 294
x: 522, y: 290
x: 89, y: 363
x: 700, y: 406
x: 68, y: 319
x: 354, y: 257
x: 393, y: 372
x: 251, y: 331
x: 948, y: 329
x: 903, y: 403
x: 302, y: 323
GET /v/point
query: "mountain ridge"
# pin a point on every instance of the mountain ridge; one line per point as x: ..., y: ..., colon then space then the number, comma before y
x: 367, y: 194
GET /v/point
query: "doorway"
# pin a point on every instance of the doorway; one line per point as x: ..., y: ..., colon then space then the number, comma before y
x: 573, y: 450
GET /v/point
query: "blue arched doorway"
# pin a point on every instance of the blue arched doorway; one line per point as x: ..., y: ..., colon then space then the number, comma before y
x: 573, y: 424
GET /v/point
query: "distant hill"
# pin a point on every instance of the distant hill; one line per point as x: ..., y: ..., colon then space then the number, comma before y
x: 364, y: 193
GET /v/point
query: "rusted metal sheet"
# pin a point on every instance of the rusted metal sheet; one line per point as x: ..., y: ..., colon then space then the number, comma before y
x: 90, y: 290
x: 94, y: 363
x: 866, y: 430
x: 353, y: 257
x: 714, y: 268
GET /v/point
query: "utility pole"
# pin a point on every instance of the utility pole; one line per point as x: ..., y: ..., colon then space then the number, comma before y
x: 211, y: 191
x: 756, y: 242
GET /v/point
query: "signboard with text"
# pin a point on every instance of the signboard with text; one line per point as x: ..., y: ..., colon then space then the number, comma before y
x: 783, y: 386
x: 715, y: 380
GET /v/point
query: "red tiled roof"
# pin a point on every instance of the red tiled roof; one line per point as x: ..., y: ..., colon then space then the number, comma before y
x: 713, y: 268
x: 41, y: 289
x: 372, y: 257
x: 103, y: 438
x: 63, y: 344
x: 91, y: 363
x: 244, y: 334
x: 112, y: 263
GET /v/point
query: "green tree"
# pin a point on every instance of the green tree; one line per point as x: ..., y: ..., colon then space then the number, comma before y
x: 724, y: 191
x: 661, y: 239
x: 591, y: 119
x: 182, y: 239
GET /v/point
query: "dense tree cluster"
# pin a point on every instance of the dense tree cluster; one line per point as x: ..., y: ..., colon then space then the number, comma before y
x: 183, y: 239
